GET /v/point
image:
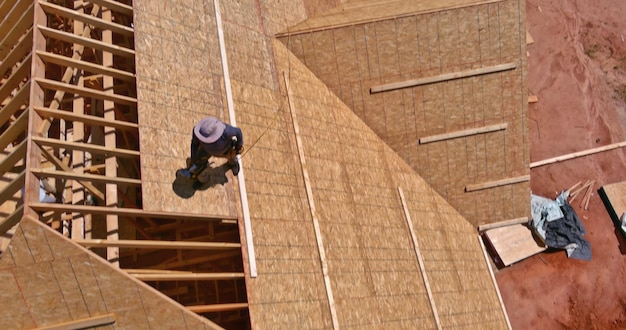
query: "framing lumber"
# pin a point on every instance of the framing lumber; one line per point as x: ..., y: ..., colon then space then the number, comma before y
x: 309, y: 194
x: 529, y: 38
x: 17, y: 127
x: 420, y: 260
x: 504, y: 223
x: 17, y: 53
x: 15, y: 104
x: 12, y: 17
x: 533, y: 99
x: 96, y: 149
x: 578, y: 154
x: 85, y: 92
x: 14, y: 186
x: 13, y: 82
x: 241, y: 182
x: 84, y: 177
x: 12, y: 220
x: 497, y: 183
x: 188, y: 277
x: 5, y: 7
x: 495, y: 284
x: 133, y: 213
x: 87, y: 66
x: 217, y: 308
x: 152, y: 244
x: 60, y: 164
x: 86, y: 119
x: 443, y: 77
x: 115, y: 6
x: 463, y: 133
x: 86, y: 323
x: 87, y: 42
x: 87, y: 19
x: 18, y: 153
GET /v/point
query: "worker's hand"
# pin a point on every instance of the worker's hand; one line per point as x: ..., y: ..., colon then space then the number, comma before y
x: 239, y: 150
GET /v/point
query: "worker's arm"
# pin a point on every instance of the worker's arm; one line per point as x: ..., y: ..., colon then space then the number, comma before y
x: 236, y: 132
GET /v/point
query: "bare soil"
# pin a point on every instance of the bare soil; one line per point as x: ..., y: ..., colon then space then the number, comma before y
x: 577, y: 68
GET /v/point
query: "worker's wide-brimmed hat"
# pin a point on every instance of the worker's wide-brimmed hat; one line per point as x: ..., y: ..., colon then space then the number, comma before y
x: 209, y: 129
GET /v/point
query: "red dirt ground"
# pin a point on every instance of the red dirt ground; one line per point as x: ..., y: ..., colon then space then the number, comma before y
x: 577, y: 68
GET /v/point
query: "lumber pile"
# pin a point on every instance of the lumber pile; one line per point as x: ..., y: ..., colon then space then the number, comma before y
x: 576, y: 191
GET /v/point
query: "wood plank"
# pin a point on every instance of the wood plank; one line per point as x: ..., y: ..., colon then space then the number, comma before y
x: 17, y: 53
x: 529, y: 38
x: 85, y: 92
x: 495, y: 284
x: 10, y: 221
x: 96, y: 149
x: 115, y: 6
x: 578, y: 154
x: 496, y: 183
x: 310, y: 198
x: 513, y: 243
x: 217, y: 308
x: 87, y: 66
x: 11, y: 19
x: 504, y: 223
x: 84, y: 177
x: 463, y: 133
x: 5, y: 7
x: 14, y: 186
x: 13, y: 132
x: 154, y: 244
x: 87, y: 42
x: 443, y: 77
x: 87, y: 19
x: 86, y: 119
x: 134, y: 213
x: 16, y: 103
x: 532, y: 99
x: 85, y: 323
x: 420, y: 260
x: 10, y: 161
x: 16, y: 78
x: 188, y: 277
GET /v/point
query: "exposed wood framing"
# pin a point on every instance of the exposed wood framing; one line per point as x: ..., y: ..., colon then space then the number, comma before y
x: 18, y: 153
x: 18, y: 127
x: 96, y: 149
x: 443, y: 77
x: 86, y: 119
x: 135, y: 213
x: 86, y: 92
x: 577, y: 154
x: 495, y: 284
x: 16, y: 103
x: 189, y: 277
x: 309, y: 194
x: 151, y: 244
x: 87, y: 42
x: 16, y: 53
x: 12, y: 220
x: 16, y: 78
x: 87, y: 66
x: 217, y: 308
x: 231, y: 114
x: 10, y: 19
x: 496, y: 183
x: 86, y: 323
x: 463, y: 133
x: 420, y: 260
x: 115, y: 6
x: 84, y: 177
x: 87, y: 19
x: 503, y: 223
x: 13, y: 187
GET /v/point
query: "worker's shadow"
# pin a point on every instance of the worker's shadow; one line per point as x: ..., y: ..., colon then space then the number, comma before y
x: 211, y: 176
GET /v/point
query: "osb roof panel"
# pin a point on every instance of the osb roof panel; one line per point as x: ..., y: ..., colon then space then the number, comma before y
x: 358, y: 11
x: 45, y: 280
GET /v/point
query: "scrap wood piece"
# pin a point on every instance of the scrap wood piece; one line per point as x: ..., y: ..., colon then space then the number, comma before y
x: 462, y: 133
x: 529, y: 38
x: 512, y: 243
x: 496, y: 183
x: 504, y: 223
x: 574, y: 187
x: 576, y: 192
x: 532, y: 99
x: 89, y: 322
x: 584, y: 203
x: 578, y: 154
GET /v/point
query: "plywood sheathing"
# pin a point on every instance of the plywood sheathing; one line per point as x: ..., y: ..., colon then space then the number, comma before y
x: 37, y: 290
x: 352, y: 58
x: 179, y: 81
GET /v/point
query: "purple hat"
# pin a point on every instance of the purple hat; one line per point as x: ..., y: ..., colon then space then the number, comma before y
x: 209, y: 129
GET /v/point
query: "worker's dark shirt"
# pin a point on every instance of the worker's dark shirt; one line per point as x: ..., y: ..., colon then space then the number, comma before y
x: 225, y: 143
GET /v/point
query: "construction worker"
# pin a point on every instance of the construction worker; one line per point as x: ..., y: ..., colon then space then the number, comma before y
x: 213, y: 137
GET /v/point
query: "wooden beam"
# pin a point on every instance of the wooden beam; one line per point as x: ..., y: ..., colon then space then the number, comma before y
x: 16, y: 78
x: 86, y: 119
x: 577, y: 154
x: 85, y: 92
x: 85, y: 323
x: 87, y: 66
x: 443, y: 77
x: 13, y: 132
x: 463, y: 133
x: 5, y: 7
x: 14, y: 186
x: 16, y: 103
x: 152, y: 244
x: 12, y: 18
x: 495, y: 284
x: 10, y: 221
x: 311, y: 200
x: 21, y: 32
x: 217, y: 308
x: 84, y: 177
x: 496, y: 183
x: 115, y: 6
x: 188, y: 277
x: 10, y: 161
x: 17, y: 53
x: 133, y: 213
x: 96, y: 149
x: 420, y: 260
x: 87, y: 42
x: 87, y: 19
x: 60, y: 164
x: 503, y: 223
